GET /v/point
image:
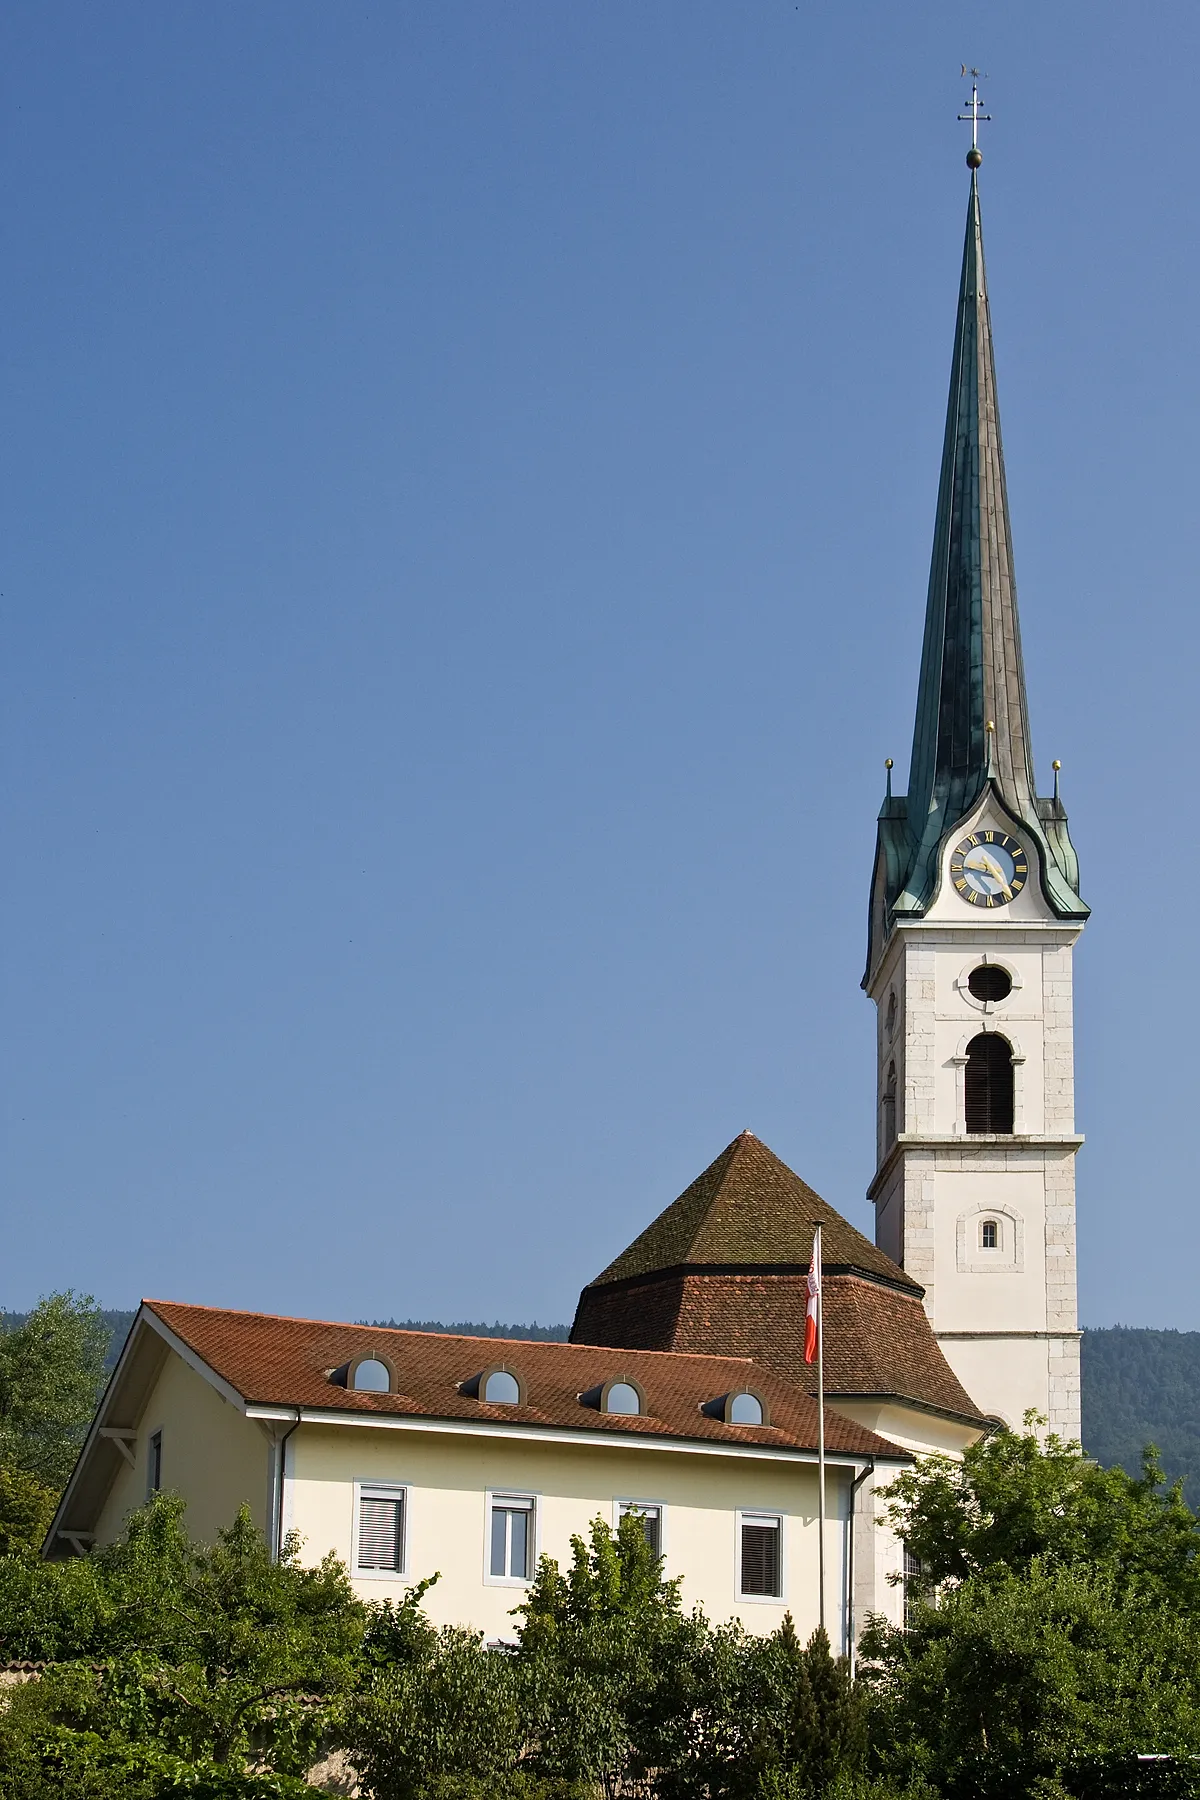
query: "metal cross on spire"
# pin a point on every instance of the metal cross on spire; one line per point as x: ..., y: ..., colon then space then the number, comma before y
x: 974, y: 116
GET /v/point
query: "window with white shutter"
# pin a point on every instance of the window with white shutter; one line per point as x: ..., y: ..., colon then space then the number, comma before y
x: 761, y: 1556
x: 379, y: 1544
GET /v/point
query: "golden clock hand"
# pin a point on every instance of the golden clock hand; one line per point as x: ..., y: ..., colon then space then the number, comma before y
x: 987, y: 865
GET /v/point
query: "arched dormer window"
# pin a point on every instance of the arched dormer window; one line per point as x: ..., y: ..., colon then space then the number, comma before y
x: 989, y: 1083
x: 621, y: 1397
x: 500, y: 1387
x: 746, y: 1408
x: 368, y: 1375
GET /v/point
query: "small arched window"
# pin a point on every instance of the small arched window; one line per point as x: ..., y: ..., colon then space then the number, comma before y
x: 989, y: 1083
x: 989, y: 1235
x: 745, y: 1409
x: 620, y: 1397
x: 501, y: 1388
x: 370, y: 1376
x: 889, y: 1107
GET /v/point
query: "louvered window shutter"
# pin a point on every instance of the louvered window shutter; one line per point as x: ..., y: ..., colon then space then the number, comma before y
x: 760, y: 1556
x: 381, y: 1531
x: 989, y: 1084
x: 651, y: 1518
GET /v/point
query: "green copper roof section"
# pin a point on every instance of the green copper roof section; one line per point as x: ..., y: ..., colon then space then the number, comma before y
x: 972, y: 672
x: 971, y: 668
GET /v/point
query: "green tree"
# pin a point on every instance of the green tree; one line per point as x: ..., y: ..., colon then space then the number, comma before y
x: 628, y: 1691
x: 26, y: 1509
x: 1014, y: 1497
x: 447, y: 1719
x: 51, y: 1372
x: 1062, y: 1632
x: 599, y: 1650
x: 217, y: 1654
x: 816, y: 1728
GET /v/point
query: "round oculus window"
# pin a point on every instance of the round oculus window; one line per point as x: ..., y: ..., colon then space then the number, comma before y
x: 990, y: 982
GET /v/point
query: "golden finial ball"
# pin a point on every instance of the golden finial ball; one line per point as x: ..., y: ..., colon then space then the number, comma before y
x: 887, y: 762
x: 1056, y: 765
x: 974, y: 157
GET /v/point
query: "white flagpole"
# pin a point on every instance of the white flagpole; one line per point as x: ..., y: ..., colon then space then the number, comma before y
x: 816, y: 1251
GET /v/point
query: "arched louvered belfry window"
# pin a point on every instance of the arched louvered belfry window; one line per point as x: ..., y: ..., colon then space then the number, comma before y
x: 989, y: 1083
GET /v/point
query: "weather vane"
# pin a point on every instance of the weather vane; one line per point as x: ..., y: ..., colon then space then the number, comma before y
x: 976, y: 118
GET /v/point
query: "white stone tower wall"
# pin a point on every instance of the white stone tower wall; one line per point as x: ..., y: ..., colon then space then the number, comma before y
x: 1006, y: 1318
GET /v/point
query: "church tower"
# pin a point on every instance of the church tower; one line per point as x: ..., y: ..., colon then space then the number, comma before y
x: 975, y: 910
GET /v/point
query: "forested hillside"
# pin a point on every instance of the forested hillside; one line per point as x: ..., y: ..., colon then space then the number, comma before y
x: 1143, y: 1387
x: 1139, y: 1387
x: 118, y: 1323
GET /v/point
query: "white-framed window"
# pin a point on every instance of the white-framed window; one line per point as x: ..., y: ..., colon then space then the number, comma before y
x: 760, y: 1556
x: 380, y: 1528
x: 154, y: 1464
x: 511, y: 1538
x: 989, y: 1235
x: 651, y: 1513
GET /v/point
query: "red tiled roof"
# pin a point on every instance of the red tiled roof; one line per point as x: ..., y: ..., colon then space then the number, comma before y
x: 877, y: 1341
x: 274, y: 1361
x: 724, y: 1268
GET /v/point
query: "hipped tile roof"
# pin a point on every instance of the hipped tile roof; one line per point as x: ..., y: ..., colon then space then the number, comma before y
x: 748, y: 1209
x: 284, y: 1362
x: 723, y: 1269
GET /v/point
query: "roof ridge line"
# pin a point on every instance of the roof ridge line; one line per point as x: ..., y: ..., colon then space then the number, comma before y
x: 454, y: 1336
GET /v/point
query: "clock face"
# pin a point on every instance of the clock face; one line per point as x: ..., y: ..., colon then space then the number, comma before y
x: 989, y: 868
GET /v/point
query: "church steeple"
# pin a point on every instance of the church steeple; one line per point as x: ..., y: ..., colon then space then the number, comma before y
x: 975, y: 912
x: 971, y: 668
x: 972, y: 722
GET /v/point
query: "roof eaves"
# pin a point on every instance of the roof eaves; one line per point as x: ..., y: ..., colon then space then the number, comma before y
x: 892, y: 1397
x: 576, y: 1434
x: 906, y: 1285
x: 112, y: 1388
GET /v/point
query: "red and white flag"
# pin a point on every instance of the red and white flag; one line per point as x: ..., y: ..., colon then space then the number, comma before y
x: 814, y: 1301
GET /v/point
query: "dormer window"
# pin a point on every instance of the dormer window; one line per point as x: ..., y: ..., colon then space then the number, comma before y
x: 745, y: 1409
x: 621, y: 1397
x: 500, y: 1387
x: 369, y: 1375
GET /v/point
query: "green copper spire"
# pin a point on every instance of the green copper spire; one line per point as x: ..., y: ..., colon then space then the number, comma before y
x: 971, y: 668
x: 972, y: 724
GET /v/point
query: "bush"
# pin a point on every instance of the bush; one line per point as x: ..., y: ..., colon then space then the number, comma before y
x: 449, y: 1716
x: 39, y: 1761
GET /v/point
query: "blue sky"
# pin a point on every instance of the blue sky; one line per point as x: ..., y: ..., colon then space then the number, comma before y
x: 469, y: 478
